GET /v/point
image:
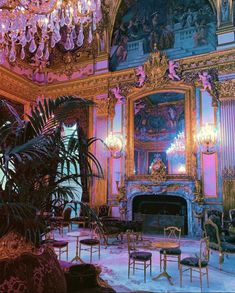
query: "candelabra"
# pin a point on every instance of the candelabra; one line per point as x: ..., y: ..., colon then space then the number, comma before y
x: 115, y: 144
x: 207, y: 137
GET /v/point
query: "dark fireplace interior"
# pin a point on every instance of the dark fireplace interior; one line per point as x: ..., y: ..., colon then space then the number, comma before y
x: 159, y: 211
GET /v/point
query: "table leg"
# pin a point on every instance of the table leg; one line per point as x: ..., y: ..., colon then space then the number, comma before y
x: 164, y: 273
x: 77, y: 257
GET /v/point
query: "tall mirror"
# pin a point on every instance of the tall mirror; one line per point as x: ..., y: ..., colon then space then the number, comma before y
x: 159, y: 133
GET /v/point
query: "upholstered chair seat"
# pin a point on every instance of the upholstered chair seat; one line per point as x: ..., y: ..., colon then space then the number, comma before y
x: 141, y: 255
x: 193, y: 262
x: 90, y: 241
x: 171, y: 251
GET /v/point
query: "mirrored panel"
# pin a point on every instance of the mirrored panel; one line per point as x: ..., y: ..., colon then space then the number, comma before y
x: 159, y: 134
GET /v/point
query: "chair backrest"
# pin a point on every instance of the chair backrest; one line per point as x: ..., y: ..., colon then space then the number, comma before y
x: 172, y: 233
x: 103, y: 211
x: 204, y: 250
x: 232, y: 215
x: 210, y: 214
x: 212, y: 233
x: 67, y: 214
x: 131, y: 241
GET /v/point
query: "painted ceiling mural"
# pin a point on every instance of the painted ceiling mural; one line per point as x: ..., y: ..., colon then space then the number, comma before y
x: 179, y: 27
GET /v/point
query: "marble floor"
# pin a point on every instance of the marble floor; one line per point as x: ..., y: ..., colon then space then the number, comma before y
x: 114, y: 259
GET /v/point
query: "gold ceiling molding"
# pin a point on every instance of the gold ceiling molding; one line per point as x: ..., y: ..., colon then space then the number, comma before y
x: 90, y: 87
x: 16, y: 86
x: 227, y: 89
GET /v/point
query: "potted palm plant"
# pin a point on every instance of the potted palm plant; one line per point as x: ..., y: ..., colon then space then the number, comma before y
x: 37, y: 165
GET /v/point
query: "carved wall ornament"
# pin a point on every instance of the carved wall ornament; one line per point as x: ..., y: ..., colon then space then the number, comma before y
x: 199, y: 198
x: 227, y: 89
x: 155, y: 69
x: 172, y: 70
x: 117, y: 93
x: 141, y: 76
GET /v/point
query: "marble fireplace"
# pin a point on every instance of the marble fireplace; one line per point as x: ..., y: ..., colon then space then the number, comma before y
x: 164, y: 204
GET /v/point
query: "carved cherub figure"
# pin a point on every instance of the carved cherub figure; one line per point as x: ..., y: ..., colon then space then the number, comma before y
x: 205, y: 78
x: 172, y: 73
x: 140, y: 73
x: 116, y: 91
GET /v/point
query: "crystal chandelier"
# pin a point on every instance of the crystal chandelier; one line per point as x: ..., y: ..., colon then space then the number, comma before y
x: 177, y: 147
x: 115, y: 144
x: 207, y: 137
x: 38, y: 25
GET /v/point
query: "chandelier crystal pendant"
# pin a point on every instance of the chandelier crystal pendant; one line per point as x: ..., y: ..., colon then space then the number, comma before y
x: 177, y: 147
x: 38, y: 25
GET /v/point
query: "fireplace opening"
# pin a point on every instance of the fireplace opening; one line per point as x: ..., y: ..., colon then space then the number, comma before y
x: 159, y: 211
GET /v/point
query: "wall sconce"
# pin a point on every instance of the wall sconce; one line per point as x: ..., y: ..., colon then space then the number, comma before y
x: 207, y: 137
x: 115, y: 144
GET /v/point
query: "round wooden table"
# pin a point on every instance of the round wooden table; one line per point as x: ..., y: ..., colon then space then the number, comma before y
x: 77, y: 234
x: 164, y: 244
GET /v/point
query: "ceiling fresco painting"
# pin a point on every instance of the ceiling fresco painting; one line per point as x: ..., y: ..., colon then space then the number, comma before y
x: 181, y: 28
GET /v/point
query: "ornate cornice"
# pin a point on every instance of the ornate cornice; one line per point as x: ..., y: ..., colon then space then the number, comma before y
x: 227, y: 89
x: 92, y: 86
x: 15, y: 85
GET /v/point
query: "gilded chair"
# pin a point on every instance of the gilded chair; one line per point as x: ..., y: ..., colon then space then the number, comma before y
x: 104, y: 211
x: 83, y: 218
x: 135, y: 257
x: 232, y: 215
x: 197, y: 263
x: 66, y: 220
x: 211, y: 231
x: 92, y: 245
x: 211, y: 214
x: 171, y: 234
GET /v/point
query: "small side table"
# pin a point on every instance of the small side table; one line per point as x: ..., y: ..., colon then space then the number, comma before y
x: 164, y: 244
x: 77, y: 234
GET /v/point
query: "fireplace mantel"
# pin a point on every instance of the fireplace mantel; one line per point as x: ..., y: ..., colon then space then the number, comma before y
x: 180, y: 188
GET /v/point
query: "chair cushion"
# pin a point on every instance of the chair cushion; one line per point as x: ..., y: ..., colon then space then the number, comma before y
x: 193, y: 262
x: 171, y: 251
x: 141, y: 255
x: 228, y: 247
x: 59, y: 244
x: 90, y: 241
x: 225, y: 246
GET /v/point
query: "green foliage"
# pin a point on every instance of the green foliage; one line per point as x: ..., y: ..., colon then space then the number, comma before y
x: 38, y: 163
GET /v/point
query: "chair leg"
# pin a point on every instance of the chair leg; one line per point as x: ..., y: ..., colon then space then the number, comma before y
x: 91, y: 254
x: 150, y: 266
x: 133, y: 267
x: 221, y: 260
x: 129, y: 266
x: 179, y: 261
x: 191, y: 275
x: 160, y: 262
x: 67, y: 252
x: 145, y: 271
x: 200, y: 278
x: 181, y: 272
x: 80, y: 249
x: 207, y: 277
x: 99, y: 251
